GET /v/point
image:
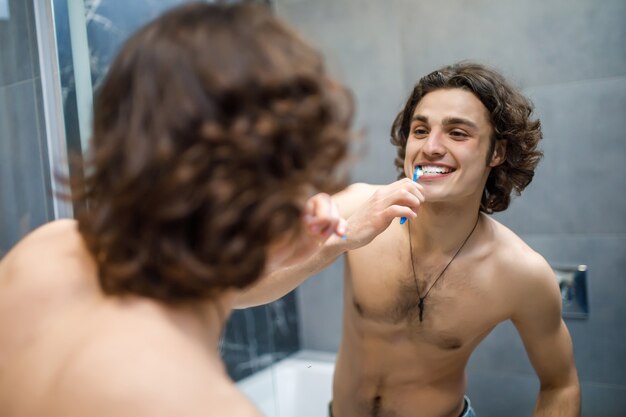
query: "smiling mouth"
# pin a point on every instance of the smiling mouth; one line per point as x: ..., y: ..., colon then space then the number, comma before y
x: 435, y: 170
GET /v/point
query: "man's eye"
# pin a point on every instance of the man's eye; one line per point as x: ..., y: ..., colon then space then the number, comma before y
x: 420, y: 131
x: 458, y: 134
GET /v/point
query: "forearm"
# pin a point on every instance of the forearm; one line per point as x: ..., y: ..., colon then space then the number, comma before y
x: 559, y: 402
x: 275, y: 284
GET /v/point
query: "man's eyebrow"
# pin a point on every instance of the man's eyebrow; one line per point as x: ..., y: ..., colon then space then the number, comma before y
x: 459, y: 121
x: 447, y: 121
x: 419, y: 118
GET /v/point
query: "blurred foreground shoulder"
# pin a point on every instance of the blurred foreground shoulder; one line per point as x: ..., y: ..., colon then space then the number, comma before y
x: 45, y: 241
x: 158, y: 381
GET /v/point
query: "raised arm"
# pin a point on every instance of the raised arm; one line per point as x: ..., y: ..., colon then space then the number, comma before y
x: 547, y: 341
x: 369, y: 210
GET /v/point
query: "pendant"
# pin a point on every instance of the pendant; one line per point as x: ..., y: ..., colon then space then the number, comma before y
x: 420, y: 305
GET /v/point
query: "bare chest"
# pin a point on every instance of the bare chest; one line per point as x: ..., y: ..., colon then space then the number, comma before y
x: 449, y: 311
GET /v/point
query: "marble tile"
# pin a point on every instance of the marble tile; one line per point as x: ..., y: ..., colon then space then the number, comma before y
x: 255, y: 338
x: 109, y: 25
x: 247, y: 342
x: 283, y: 318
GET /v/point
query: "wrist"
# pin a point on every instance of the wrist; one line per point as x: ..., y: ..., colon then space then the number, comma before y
x: 337, y: 245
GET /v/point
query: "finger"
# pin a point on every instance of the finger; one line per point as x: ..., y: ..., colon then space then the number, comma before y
x: 313, y: 209
x: 342, y: 227
x: 399, y: 211
x: 326, y: 214
x: 401, y: 186
x: 405, y: 198
x: 324, y: 229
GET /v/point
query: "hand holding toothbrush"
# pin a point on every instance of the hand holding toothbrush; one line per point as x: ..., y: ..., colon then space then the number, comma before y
x: 370, y: 209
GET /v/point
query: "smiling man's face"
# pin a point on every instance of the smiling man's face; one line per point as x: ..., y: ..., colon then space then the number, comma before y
x: 449, y: 138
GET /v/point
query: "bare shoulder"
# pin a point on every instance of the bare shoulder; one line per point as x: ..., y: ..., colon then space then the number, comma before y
x: 352, y: 197
x: 42, y: 249
x: 46, y: 239
x: 52, y: 253
x: 528, y: 275
x: 515, y: 257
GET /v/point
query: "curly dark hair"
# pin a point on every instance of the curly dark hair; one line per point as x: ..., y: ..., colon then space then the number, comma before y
x: 510, y: 114
x: 210, y: 128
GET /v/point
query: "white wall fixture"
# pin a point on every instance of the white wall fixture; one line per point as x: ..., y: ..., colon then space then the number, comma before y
x: 4, y: 10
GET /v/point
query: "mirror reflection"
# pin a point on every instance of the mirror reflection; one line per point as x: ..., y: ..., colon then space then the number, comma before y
x: 500, y: 294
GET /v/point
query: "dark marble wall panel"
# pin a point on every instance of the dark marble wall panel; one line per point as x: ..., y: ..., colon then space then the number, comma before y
x: 257, y: 337
x: 110, y: 23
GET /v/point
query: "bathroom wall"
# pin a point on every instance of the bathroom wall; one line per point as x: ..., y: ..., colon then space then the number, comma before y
x: 569, y: 57
x: 25, y: 193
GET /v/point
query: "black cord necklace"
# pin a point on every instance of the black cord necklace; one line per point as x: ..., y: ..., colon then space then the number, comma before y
x: 420, y: 305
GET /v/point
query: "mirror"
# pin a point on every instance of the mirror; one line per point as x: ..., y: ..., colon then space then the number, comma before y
x: 571, y: 68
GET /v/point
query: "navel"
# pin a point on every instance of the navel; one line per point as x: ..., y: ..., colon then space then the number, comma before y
x: 377, y: 402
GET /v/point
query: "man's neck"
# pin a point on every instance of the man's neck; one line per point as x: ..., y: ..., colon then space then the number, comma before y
x: 440, y: 227
x: 203, y: 321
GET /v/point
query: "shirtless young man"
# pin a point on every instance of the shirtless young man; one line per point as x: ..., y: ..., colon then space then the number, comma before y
x: 419, y: 297
x: 212, y: 127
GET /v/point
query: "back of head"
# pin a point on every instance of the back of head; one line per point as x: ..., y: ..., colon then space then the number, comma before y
x: 511, y: 119
x: 210, y: 127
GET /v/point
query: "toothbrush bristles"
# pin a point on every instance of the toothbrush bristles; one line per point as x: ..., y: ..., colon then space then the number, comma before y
x: 417, y: 173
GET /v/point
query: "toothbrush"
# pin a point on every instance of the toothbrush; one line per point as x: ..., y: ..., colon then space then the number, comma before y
x: 416, y: 176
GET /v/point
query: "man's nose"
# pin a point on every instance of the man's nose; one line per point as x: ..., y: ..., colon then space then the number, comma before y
x: 434, y: 143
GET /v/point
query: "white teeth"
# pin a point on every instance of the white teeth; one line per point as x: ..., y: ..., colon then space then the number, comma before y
x: 435, y: 170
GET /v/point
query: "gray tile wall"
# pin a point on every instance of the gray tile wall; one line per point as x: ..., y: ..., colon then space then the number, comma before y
x: 24, y: 175
x: 569, y: 57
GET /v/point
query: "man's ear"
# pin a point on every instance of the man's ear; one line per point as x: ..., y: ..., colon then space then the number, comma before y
x: 499, y: 154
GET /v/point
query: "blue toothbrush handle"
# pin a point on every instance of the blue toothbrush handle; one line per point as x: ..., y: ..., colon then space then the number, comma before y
x: 416, y: 176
